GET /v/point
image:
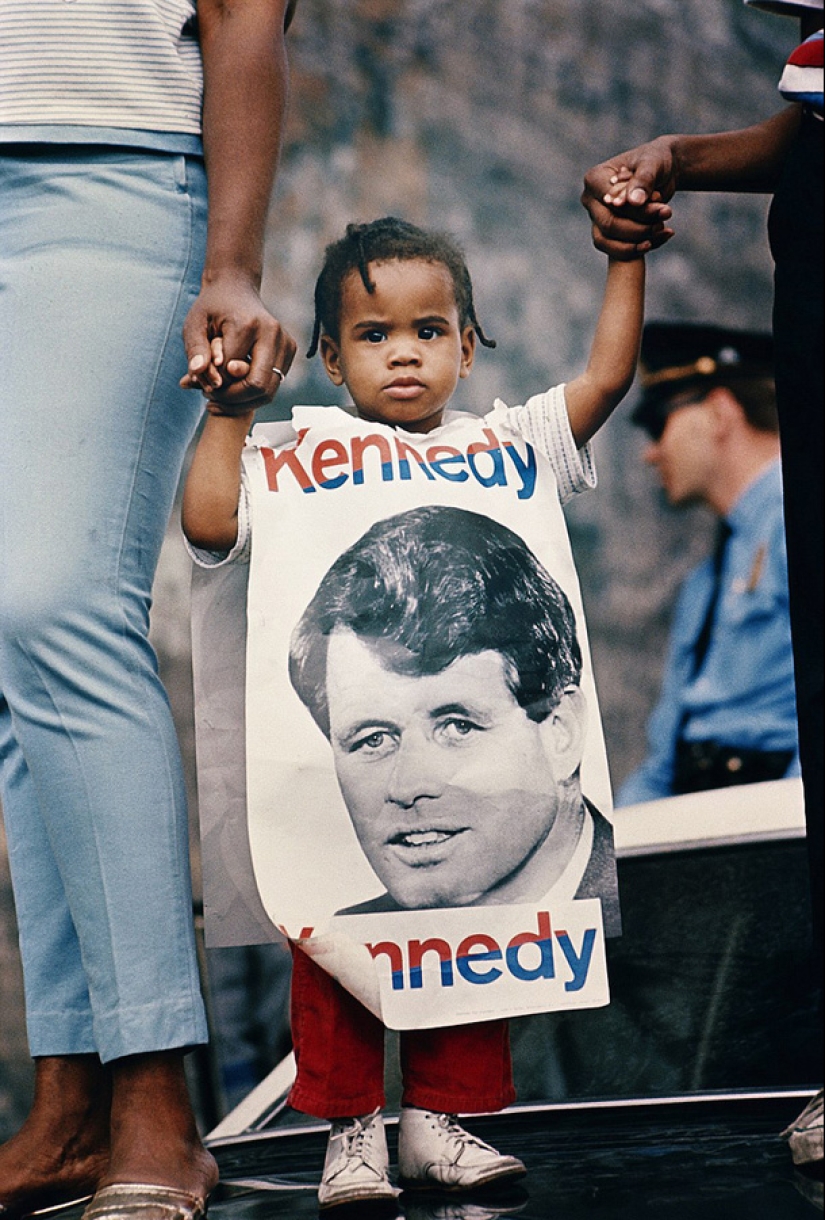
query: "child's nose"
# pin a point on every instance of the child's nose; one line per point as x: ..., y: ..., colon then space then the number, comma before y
x: 405, y: 351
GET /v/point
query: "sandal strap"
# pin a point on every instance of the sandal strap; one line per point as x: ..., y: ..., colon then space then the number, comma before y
x: 155, y: 1202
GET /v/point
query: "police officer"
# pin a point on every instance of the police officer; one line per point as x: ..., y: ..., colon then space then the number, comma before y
x: 726, y: 713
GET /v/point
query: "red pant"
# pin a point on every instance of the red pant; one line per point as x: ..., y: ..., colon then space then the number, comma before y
x: 339, y: 1047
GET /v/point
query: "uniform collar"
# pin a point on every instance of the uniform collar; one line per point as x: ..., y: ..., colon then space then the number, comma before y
x: 756, y: 498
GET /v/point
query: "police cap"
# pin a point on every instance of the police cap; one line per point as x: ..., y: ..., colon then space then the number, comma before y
x: 679, y: 356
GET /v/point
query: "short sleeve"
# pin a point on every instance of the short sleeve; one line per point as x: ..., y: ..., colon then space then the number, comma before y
x: 242, y: 549
x: 545, y: 423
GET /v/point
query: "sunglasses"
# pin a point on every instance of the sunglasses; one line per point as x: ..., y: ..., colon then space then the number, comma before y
x: 655, y: 427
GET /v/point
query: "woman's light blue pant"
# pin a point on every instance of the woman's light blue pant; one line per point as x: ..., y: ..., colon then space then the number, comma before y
x: 100, y: 257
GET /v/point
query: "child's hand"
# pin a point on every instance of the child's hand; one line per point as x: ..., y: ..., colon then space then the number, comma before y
x: 657, y: 210
x: 235, y: 370
x: 219, y: 375
x: 214, y: 376
x: 206, y: 376
x: 230, y: 306
x: 627, y: 201
x: 617, y: 196
x: 618, y: 187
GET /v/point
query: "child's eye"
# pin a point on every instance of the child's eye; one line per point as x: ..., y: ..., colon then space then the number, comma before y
x: 375, y: 336
x: 429, y: 332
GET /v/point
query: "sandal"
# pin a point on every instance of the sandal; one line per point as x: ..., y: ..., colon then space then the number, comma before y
x: 128, y: 1202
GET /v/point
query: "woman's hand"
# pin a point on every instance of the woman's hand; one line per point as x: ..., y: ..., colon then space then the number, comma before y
x: 237, y: 352
x: 627, y: 198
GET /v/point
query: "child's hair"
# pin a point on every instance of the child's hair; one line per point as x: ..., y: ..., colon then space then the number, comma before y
x: 383, y: 241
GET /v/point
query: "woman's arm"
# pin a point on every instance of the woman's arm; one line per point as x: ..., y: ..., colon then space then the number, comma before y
x: 627, y: 221
x: 614, y: 354
x: 213, y: 484
x: 245, y: 90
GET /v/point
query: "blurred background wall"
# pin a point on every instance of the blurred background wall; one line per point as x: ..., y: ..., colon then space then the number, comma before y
x: 481, y: 117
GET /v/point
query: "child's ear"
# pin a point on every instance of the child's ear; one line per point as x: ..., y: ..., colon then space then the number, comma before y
x: 331, y: 356
x: 468, y: 350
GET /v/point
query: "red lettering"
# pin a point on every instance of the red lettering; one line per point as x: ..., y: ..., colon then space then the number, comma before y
x: 481, y: 941
x: 329, y: 453
x: 389, y: 949
x: 492, y: 443
x: 530, y: 938
x: 417, y: 949
x: 287, y: 459
x: 360, y: 444
x: 405, y: 452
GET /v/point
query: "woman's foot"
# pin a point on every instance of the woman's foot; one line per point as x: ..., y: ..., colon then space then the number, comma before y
x: 62, y: 1151
x: 154, y: 1137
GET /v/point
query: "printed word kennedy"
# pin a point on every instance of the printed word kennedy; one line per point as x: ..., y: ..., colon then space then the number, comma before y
x: 476, y: 958
x: 334, y: 462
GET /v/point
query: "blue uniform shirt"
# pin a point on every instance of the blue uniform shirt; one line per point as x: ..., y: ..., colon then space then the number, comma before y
x: 743, y: 695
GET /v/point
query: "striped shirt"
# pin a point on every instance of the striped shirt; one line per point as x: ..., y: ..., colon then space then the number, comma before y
x: 99, y: 65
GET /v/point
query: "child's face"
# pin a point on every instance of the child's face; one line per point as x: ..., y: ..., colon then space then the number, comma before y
x: 402, y: 350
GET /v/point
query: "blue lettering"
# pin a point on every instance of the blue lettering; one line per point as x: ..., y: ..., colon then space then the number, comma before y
x: 497, y: 477
x: 389, y: 949
x: 417, y: 949
x: 466, y: 959
x: 453, y: 476
x: 527, y: 471
x: 578, y: 963
x: 403, y: 449
x: 546, y: 968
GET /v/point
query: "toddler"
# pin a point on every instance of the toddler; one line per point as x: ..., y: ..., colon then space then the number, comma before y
x: 396, y: 327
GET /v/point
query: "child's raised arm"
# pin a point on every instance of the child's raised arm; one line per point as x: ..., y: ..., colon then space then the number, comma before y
x: 213, y: 485
x: 614, y: 354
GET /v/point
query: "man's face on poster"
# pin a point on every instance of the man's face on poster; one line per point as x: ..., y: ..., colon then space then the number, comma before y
x: 452, y: 789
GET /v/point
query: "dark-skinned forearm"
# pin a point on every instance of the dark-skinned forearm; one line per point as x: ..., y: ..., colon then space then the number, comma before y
x: 614, y: 353
x: 213, y: 484
x: 245, y: 91
x: 748, y: 160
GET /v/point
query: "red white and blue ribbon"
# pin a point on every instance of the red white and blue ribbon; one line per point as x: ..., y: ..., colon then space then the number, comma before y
x: 802, y: 80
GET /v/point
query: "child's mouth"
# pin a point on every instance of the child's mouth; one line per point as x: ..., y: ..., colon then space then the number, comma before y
x: 405, y: 389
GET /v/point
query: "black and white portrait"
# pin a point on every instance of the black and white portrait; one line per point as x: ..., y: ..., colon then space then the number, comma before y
x: 409, y: 759
x: 441, y: 662
x: 415, y: 723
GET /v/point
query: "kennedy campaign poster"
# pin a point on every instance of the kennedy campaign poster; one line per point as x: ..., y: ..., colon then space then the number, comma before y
x: 425, y: 799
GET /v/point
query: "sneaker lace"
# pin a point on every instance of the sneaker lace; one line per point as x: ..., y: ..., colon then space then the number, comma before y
x: 450, y: 1125
x: 353, y: 1135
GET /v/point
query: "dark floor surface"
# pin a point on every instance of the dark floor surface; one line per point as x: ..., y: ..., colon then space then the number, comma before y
x: 718, y: 1160
x: 704, y: 1160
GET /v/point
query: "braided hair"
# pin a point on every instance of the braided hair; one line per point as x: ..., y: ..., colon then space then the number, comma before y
x: 383, y: 241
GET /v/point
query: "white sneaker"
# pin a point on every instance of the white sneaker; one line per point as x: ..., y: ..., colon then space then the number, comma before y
x: 435, y: 1153
x: 356, y: 1169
